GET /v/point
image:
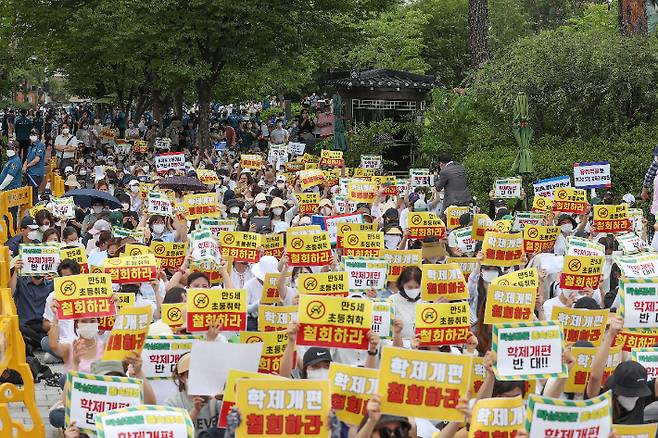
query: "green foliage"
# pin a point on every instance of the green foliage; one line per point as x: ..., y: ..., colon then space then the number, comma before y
x: 548, y: 14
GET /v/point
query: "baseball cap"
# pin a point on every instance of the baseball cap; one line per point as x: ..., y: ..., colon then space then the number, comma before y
x: 100, y: 225
x: 183, y: 364
x: 29, y: 222
x: 316, y: 355
x: 629, y: 379
x: 102, y: 367
x: 628, y: 198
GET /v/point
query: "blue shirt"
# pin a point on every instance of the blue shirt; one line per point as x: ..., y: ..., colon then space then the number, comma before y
x: 12, y: 167
x: 37, y: 149
x: 30, y: 298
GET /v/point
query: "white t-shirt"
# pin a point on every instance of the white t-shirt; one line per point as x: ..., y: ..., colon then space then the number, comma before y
x: 239, y: 280
x: 254, y: 292
x: 405, y: 310
x: 60, y: 140
x: 66, y: 332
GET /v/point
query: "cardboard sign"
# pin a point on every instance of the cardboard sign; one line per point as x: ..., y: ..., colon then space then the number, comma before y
x: 635, y: 431
x: 497, y: 417
x: 467, y: 264
x: 577, y: 246
x: 411, y: 381
x: 240, y: 245
x: 580, y: 272
x: 581, y: 324
x: 638, y: 266
x: 323, y: 283
x: 481, y: 224
x: 329, y: 158
x: 580, y: 371
x: 453, y: 214
x: 648, y: 358
x: 349, y: 227
x: 383, y: 315
x: 542, y: 203
x: 366, y: 274
x: 371, y: 161
x: 274, y: 318
x: 528, y: 350
x: 77, y: 254
x: 506, y: 303
x: 351, y: 389
x: 307, y: 247
x: 308, y: 202
x: 362, y: 243
x: 333, y: 224
x: 592, y: 175
x: 251, y: 161
x: 502, y: 249
x: 39, y: 259
x: 422, y: 224
x: 507, y: 188
x: 568, y: 200
x: 298, y: 407
x: 639, y: 302
x: 550, y: 417
x: 204, y: 306
x: 63, y: 207
x: 146, y: 421
x: 362, y: 192
x: 89, y: 394
x: 131, y: 269
x: 274, y: 344
x: 230, y: 396
x: 611, y: 219
x: 399, y: 259
x: 443, y: 323
x: 169, y: 161
x: 334, y: 321
x: 546, y: 187
x: 443, y: 281
x: 169, y: 254
x: 158, y: 204
x: 528, y: 278
x: 161, y: 354
x: 310, y: 178
x: 128, y: 334
x: 173, y: 314
x: 84, y: 296
x: 538, y: 238
x: 201, y: 205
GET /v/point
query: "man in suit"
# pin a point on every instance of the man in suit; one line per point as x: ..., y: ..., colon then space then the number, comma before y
x: 452, y: 180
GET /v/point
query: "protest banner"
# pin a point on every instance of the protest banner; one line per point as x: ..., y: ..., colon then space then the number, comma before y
x: 170, y: 254
x: 270, y: 291
x: 546, y: 187
x: 216, y: 225
x: 161, y: 354
x: 334, y: 224
x: 296, y: 148
x: 307, y: 247
x: 144, y: 421
x: 636, y: 338
x: 291, y: 408
x: 77, y: 254
x: 272, y: 244
x: 639, y: 302
x: 453, y: 214
x: 497, y: 417
x: 481, y: 224
x: 242, y: 246
x: 581, y: 324
x: 310, y: 178
x: 274, y: 344
x: 351, y: 388
x: 201, y: 205
x: 538, y: 238
x: 106, y: 323
x: 648, y: 358
x: 542, y: 204
x: 580, y: 272
x: 569, y: 200
x: 131, y: 269
x: 334, y: 321
x: 230, y: 397
x: 502, y: 249
x: 251, y: 161
x: 582, y: 366
x: 398, y: 259
x: 528, y: 278
x: 506, y: 303
x: 84, y: 296
x: 467, y: 264
x: 361, y: 191
x: 442, y: 323
x: 383, y: 315
x: 524, y: 218
x: 635, y: 431
x: 362, y: 243
x: 420, y: 178
x: 638, y: 266
x: 274, y: 318
x: 371, y: 161
x: 89, y: 394
x: 507, y: 188
x: 39, y: 259
x: 349, y: 227
x: 443, y: 281
x: 528, y: 350
x: 547, y: 417
x: 228, y: 306
x: 592, y: 175
x: 422, y: 224
x: 131, y: 324
x: 578, y: 246
x: 330, y: 158
x: 158, y: 204
x: 631, y: 244
x: 308, y: 202
x: 366, y: 274
x: 169, y: 161
x: 207, y: 176
x: 611, y: 219
x: 411, y: 381
x: 173, y: 314
x: 464, y: 238
x: 63, y: 207
x: 323, y: 283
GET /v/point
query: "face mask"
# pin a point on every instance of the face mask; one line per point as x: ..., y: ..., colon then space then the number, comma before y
x: 87, y: 330
x: 33, y: 138
x: 627, y: 403
x: 11, y: 153
x: 566, y: 228
x: 234, y: 210
x: 261, y: 206
x: 277, y: 211
x: 33, y: 235
x: 83, y: 173
x: 44, y: 227
x: 391, y: 242
x: 97, y: 209
x: 412, y: 293
x: 134, y: 189
x: 489, y: 276
x: 125, y: 206
x: 281, y: 185
x: 65, y: 131
x: 158, y: 228
x: 318, y: 374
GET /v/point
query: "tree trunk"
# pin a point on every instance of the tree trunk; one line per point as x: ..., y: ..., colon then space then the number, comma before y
x: 178, y: 102
x: 203, y: 88
x: 633, y: 17
x: 157, y: 105
x: 478, y: 28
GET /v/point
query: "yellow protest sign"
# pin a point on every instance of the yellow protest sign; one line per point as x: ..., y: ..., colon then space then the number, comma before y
x: 77, y: 254
x: 412, y: 381
x: 347, y: 227
x: 204, y: 306
x: 329, y: 158
x: 503, y: 225
x: 298, y: 407
x: 581, y: 324
x: 386, y: 184
x: 173, y: 314
x: 273, y: 318
x: 509, y: 303
x: 398, y: 259
x: 542, y: 203
x: 170, y: 254
x: 308, y: 202
x: 528, y: 277
x: 362, y: 191
x: 538, y: 238
x: 251, y: 161
x: 207, y: 176
x: 443, y: 281
x: 611, y: 219
x: 135, y: 249
x: 122, y: 300
x: 497, y: 417
x: 580, y: 272
x: 274, y: 344
x: 128, y: 335
x: 583, y: 358
x: 635, y: 431
x: 144, y: 189
x: 481, y: 224
x: 201, y: 205
x: 360, y: 172
x: 311, y: 177
x: 502, y: 249
x: 84, y: 296
x: 323, y: 283
x: 351, y: 388
x: 570, y: 200
x: 334, y: 321
x: 453, y: 213
x: 443, y: 323
x: 140, y: 146
x: 272, y: 244
x: 230, y: 397
x: 311, y: 166
x: 422, y: 224
x: 240, y: 245
x: 478, y: 374
x: 308, y: 246
x: 131, y: 269
x: 467, y: 264
x: 270, y: 294
x: 362, y: 243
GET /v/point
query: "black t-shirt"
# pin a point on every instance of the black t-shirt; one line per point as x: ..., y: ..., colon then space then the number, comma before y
x: 635, y: 416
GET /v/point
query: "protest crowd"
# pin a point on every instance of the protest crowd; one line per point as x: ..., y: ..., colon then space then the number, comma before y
x: 254, y: 288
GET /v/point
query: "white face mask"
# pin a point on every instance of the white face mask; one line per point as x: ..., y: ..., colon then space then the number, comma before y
x: 488, y: 276
x: 277, y: 211
x: 318, y: 374
x: 566, y: 228
x: 158, y: 228
x: 234, y: 210
x: 261, y: 206
x: 412, y: 293
x: 11, y: 153
x: 97, y: 209
x: 281, y: 185
x: 65, y: 131
x: 33, y: 138
x: 627, y: 403
x: 134, y: 188
x: 83, y: 173
x: 125, y: 206
x: 44, y: 227
x: 391, y: 241
x: 87, y: 330
x: 33, y: 235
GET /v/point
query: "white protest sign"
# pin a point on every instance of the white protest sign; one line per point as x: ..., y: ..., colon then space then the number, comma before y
x: 161, y: 354
x: 277, y: 154
x: 157, y: 203
x: 342, y: 205
x: 465, y: 241
x: 638, y: 266
x: 547, y: 417
x: 145, y: 421
x: 63, y: 207
x: 592, y: 175
x: 162, y: 143
x: 546, y: 187
x: 420, y: 178
x: 630, y: 243
x: 170, y: 161
x: 648, y: 358
x: 371, y: 161
x: 331, y: 224
x: 523, y: 218
x: 365, y: 274
x: 382, y: 318
x: 507, y: 188
x: 577, y: 246
x: 296, y: 148
x: 205, y: 249
x: 39, y: 259
x: 639, y: 302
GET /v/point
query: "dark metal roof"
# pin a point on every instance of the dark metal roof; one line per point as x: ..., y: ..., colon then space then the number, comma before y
x: 383, y: 78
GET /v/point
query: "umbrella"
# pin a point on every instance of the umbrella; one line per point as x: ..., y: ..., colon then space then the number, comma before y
x: 183, y: 184
x: 523, y: 134
x: 340, y: 139
x: 85, y: 197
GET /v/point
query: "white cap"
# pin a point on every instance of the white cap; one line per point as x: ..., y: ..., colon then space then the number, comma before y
x: 68, y: 169
x: 133, y: 182
x: 628, y: 198
x: 100, y: 225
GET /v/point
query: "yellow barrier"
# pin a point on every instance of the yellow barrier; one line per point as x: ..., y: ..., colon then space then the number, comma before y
x: 21, y: 198
x: 57, y: 187
x: 12, y: 356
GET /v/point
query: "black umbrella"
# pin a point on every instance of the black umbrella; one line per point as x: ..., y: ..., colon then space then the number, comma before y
x: 85, y: 197
x: 182, y: 184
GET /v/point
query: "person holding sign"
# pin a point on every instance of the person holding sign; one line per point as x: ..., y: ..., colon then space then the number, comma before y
x: 159, y: 228
x: 378, y: 425
x: 568, y: 227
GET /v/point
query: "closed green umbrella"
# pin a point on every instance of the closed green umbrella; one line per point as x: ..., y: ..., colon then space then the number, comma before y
x: 523, y: 134
x: 340, y: 138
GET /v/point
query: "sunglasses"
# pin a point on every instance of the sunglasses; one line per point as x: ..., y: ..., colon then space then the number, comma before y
x: 398, y: 432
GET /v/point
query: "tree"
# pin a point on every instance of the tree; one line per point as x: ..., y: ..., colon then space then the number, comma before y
x: 478, y: 28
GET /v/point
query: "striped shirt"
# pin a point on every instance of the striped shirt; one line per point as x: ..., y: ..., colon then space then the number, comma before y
x: 651, y: 174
